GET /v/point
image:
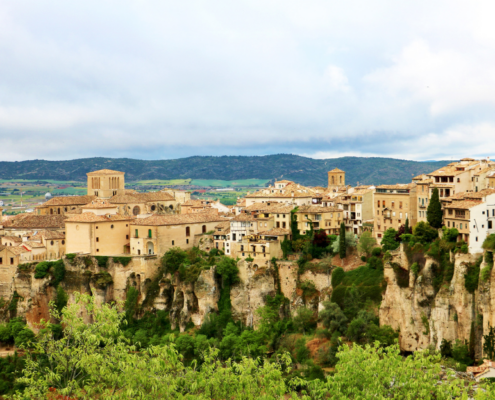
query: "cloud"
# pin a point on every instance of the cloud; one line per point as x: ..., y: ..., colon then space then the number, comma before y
x: 163, y: 79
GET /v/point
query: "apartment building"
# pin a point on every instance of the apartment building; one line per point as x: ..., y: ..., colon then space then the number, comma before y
x: 326, y: 218
x: 394, y: 204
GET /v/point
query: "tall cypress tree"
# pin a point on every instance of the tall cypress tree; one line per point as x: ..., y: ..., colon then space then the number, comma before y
x: 342, y: 247
x: 434, y: 216
x: 406, y: 226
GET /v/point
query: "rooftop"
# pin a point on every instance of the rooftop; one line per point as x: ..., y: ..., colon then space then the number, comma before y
x: 178, y: 219
x: 464, y: 204
x: 30, y: 221
x: 98, y: 204
x: 48, y: 235
x: 105, y: 172
x: 275, y: 232
x: 68, y: 201
x: 90, y: 217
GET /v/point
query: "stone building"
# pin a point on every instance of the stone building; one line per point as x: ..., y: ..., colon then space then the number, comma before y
x: 159, y: 233
x: 106, y: 183
x: 336, y: 180
x: 63, y: 204
x: 263, y: 246
x: 287, y: 193
x: 394, y: 204
x: 25, y: 224
x: 326, y: 218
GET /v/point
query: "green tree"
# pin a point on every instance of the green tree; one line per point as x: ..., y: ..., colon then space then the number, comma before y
x: 304, y: 320
x: 489, y: 344
x: 342, y: 244
x: 407, y: 229
x: 434, y: 211
x: 366, y: 243
x: 424, y: 233
x: 332, y: 317
x: 388, y: 240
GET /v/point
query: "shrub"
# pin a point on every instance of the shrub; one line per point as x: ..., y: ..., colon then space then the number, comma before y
x: 70, y: 256
x: 363, y: 258
x: 41, y: 270
x: 61, y: 299
x: 337, y: 276
x: 415, y: 269
x: 366, y: 243
x: 58, y: 272
x: 102, y: 280
x: 388, y: 240
x: 308, y: 288
x: 377, y: 251
x: 124, y: 261
x: 471, y: 277
x: 173, y: 259
x: 424, y: 233
x: 102, y: 261
x: 464, y: 249
x: 489, y: 243
x: 375, y: 263
x: 249, y: 259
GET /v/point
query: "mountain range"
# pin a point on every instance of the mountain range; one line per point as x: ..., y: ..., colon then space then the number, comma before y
x: 303, y: 170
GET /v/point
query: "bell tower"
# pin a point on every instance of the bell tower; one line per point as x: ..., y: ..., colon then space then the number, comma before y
x: 105, y: 183
x: 336, y: 179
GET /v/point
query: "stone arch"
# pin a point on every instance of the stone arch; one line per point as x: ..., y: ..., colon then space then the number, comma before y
x: 150, y: 248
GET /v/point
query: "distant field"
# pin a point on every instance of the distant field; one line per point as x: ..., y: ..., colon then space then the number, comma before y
x: 236, y: 183
x: 38, y: 180
x: 167, y: 182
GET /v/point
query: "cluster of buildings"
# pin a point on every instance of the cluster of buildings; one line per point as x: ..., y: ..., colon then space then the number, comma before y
x: 113, y: 221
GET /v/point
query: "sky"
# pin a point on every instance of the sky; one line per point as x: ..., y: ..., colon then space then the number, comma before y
x: 161, y: 79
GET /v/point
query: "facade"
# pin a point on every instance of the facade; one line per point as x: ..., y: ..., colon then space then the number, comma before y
x: 394, y: 204
x: 222, y: 231
x: 473, y: 215
x: 336, y: 180
x: 159, y: 233
x: 326, y: 218
x: 263, y: 246
x: 106, y: 183
x: 62, y: 205
x: 286, y: 193
x: 357, y: 206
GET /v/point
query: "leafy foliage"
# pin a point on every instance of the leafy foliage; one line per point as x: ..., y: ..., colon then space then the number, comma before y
x: 388, y: 240
x: 102, y: 261
x: 342, y: 245
x: 124, y: 261
x: 366, y: 243
x: 338, y: 275
x: 471, y: 277
x: 434, y: 211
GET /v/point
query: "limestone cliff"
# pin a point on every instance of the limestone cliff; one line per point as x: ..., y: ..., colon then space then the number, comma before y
x: 425, y: 315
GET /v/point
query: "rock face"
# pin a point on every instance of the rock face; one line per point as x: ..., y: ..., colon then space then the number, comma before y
x: 425, y: 316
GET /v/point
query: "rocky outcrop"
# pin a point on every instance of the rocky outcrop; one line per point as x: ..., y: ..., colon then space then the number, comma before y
x: 425, y: 315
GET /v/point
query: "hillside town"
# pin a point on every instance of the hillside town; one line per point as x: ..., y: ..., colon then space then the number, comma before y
x: 113, y: 221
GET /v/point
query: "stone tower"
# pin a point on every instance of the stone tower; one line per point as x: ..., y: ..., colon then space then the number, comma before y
x: 106, y: 183
x: 336, y: 179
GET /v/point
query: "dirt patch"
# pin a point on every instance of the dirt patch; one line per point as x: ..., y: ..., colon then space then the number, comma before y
x: 349, y: 263
x: 314, y: 345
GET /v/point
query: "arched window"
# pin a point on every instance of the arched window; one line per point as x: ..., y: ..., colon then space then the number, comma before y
x: 188, y: 231
x: 171, y: 206
x: 333, y: 180
x: 51, y: 210
x: 203, y: 229
x: 136, y: 210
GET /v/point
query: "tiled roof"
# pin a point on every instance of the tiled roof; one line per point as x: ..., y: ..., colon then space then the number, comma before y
x: 316, y: 209
x: 241, y: 203
x: 12, y: 238
x: 397, y: 186
x: 223, y: 225
x: 90, y: 217
x: 275, y: 232
x: 31, y: 221
x: 68, y: 201
x: 464, y: 204
x: 140, y: 197
x: 336, y: 170
x: 284, y: 181
x: 48, y: 235
x: 18, y: 250
x: 270, y: 208
x: 105, y: 172
x: 98, y: 204
x: 178, y: 219
x: 243, y: 218
x: 34, y: 245
x: 195, y: 203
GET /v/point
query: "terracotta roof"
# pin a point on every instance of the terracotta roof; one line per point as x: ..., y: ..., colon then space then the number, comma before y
x: 48, y: 235
x: 34, y: 245
x: 98, y: 204
x: 105, y: 172
x: 284, y: 181
x: 140, y: 197
x: 195, y: 203
x: 178, y: 219
x: 270, y: 208
x: 316, y: 209
x: 464, y: 204
x: 244, y: 217
x: 12, y: 238
x: 336, y: 170
x: 68, y: 201
x: 18, y: 250
x: 241, y: 203
x: 90, y: 217
x: 31, y: 221
x: 397, y: 186
x: 223, y: 225
x: 275, y: 232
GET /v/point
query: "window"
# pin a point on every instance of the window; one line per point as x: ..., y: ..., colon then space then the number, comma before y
x: 383, y: 203
x: 203, y: 229
x: 12, y: 259
x: 448, y: 224
x: 173, y: 242
x: 187, y: 241
x: 97, y: 227
x: 51, y: 242
x: 139, y: 252
x: 489, y: 224
x: 1, y: 260
x: 458, y: 179
x: 127, y: 236
x: 150, y: 234
x: 63, y: 241
x: 378, y: 203
x: 136, y: 233
x: 476, y: 238
x: 393, y: 204
x: 97, y: 250
x: 188, y: 231
x: 400, y: 204
x: 97, y: 239
x: 461, y: 226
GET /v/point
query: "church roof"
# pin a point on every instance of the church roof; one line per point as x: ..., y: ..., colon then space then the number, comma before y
x: 336, y: 170
x: 105, y: 172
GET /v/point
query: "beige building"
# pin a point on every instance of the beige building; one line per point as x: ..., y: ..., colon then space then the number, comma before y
x: 25, y: 224
x: 222, y: 230
x: 159, y: 233
x: 62, y: 205
x: 262, y: 247
x: 106, y: 183
x: 326, y: 218
x: 134, y: 204
x: 286, y: 192
x: 336, y: 180
x: 394, y: 204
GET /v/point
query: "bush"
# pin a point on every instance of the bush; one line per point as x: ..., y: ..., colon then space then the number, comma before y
x: 375, y: 263
x: 308, y: 288
x: 363, y: 258
x: 41, y: 270
x: 337, y: 276
x: 377, y: 252
x: 173, y: 259
x: 424, y: 233
x: 471, y: 277
x: 124, y: 261
x: 249, y: 259
x: 58, y: 272
x: 388, y: 240
x: 415, y: 269
x: 102, y: 261
x: 489, y: 243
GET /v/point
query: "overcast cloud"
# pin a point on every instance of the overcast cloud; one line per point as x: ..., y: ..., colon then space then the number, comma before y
x: 167, y: 79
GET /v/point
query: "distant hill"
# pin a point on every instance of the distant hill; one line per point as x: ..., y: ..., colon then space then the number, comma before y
x: 303, y: 170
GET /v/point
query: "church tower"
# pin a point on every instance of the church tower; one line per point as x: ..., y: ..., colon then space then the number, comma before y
x: 106, y: 183
x: 336, y: 179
